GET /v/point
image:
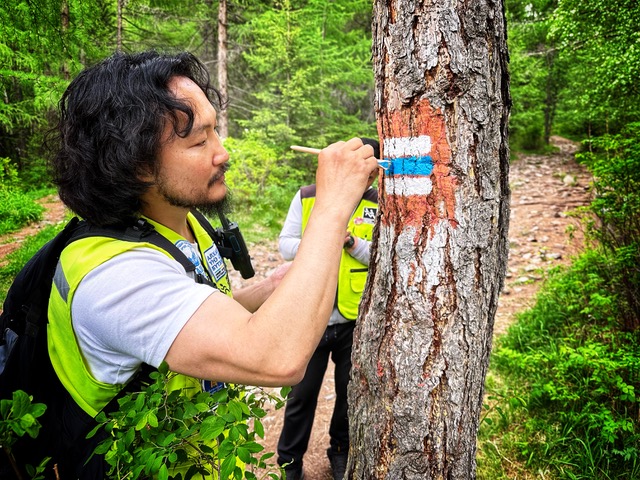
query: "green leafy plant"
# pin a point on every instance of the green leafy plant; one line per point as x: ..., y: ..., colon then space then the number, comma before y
x: 19, y: 417
x: 16, y: 208
x: 169, y: 434
x: 613, y: 217
x: 262, y: 181
x: 577, y: 374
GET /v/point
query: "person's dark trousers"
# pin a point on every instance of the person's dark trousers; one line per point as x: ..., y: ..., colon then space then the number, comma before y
x: 303, y: 398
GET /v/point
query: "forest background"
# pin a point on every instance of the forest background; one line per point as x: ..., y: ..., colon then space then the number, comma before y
x: 563, y: 386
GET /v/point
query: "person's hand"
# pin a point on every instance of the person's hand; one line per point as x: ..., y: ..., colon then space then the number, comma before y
x: 343, y: 175
x: 350, y: 242
x: 278, y: 273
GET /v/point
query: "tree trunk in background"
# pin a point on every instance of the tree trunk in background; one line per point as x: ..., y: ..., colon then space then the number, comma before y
x: 207, y: 54
x: 223, y: 123
x: 119, y: 14
x: 551, y: 92
x: 64, y: 29
x: 424, y: 334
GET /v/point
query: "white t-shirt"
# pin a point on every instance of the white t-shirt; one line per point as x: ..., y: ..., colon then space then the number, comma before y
x: 130, y: 309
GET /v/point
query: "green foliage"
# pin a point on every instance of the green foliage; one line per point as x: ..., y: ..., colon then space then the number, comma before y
x: 16, y: 208
x: 536, y: 71
x: 262, y: 181
x: 37, y: 55
x: 613, y: 217
x: 166, y: 25
x: 168, y: 434
x: 578, y: 375
x: 19, y: 417
x: 310, y: 63
x: 15, y: 260
x: 600, y: 41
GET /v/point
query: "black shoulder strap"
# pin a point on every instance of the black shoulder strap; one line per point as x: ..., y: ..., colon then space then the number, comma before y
x: 142, y: 231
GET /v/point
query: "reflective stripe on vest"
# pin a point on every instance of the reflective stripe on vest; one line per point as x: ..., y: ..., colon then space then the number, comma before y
x: 76, y: 261
x: 352, y: 275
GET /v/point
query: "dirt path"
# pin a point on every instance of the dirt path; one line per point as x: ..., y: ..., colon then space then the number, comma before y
x: 541, y: 234
x: 54, y: 213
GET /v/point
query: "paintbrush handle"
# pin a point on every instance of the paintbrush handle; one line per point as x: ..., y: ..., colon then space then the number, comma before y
x: 315, y: 151
x: 298, y: 148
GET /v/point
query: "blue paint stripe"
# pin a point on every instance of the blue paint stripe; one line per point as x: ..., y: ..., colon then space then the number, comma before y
x: 422, y: 165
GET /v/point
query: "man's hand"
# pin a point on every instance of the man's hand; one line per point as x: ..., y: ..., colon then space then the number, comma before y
x: 343, y: 175
x: 278, y: 273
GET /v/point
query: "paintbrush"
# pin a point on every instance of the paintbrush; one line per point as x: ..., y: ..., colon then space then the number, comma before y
x: 316, y: 151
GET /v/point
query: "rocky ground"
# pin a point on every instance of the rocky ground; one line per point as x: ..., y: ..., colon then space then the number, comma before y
x: 542, y: 234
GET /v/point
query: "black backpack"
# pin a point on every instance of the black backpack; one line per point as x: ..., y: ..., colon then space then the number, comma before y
x: 24, y: 358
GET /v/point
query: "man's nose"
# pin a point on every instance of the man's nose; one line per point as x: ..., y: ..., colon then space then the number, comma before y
x: 221, y: 155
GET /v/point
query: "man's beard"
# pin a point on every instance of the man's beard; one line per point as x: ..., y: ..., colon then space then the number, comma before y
x: 207, y: 207
x: 221, y: 206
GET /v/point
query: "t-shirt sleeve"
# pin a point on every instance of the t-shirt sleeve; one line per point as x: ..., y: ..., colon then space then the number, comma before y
x: 130, y: 309
x: 291, y: 233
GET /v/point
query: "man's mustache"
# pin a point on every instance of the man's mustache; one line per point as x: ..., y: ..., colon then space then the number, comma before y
x: 216, y: 178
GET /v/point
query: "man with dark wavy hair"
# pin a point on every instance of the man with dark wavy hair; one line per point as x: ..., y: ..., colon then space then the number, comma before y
x: 138, y: 140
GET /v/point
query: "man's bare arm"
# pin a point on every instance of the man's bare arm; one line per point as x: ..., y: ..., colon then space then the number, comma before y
x: 224, y: 341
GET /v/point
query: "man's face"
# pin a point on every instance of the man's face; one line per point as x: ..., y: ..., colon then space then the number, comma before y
x: 191, y: 172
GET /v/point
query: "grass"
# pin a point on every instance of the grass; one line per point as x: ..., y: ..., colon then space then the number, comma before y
x: 15, y: 260
x: 17, y: 209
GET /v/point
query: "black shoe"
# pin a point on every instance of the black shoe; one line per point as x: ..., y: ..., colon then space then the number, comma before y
x: 338, y: 464
x: 291, y: 473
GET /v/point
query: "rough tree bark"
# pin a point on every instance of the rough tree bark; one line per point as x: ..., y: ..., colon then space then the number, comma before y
x: 223, y: 122
x: 120, y: 5
x: 424, y: 334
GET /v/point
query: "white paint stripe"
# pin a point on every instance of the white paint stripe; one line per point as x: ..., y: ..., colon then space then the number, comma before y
x: 405, y: 186
x: 407, y: 147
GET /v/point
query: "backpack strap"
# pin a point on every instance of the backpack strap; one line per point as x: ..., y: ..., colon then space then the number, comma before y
x: 141, y: 231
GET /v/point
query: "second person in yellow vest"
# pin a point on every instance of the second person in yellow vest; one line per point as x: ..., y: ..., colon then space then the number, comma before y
x: 338, y: 336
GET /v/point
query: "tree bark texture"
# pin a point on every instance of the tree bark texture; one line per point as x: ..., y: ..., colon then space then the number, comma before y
x: 120, y: 4
x: 223, y: 122
x: 424, y: 333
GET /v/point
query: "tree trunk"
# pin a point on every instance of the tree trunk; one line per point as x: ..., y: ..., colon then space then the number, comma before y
x: 64, y: 31
x: 424, y: 333
x: 119, y: 26
x: 223, y: 123
x: 551, y: 93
